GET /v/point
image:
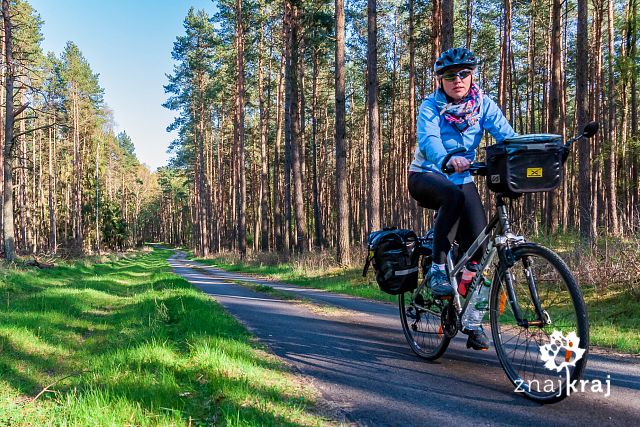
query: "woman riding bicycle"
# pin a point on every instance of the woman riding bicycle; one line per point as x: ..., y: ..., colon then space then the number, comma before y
x: 454, y: 116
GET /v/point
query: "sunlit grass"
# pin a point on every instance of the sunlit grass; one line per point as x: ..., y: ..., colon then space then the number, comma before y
x: 129, y: 343
x: 334, y: 279
x: 614, y: 318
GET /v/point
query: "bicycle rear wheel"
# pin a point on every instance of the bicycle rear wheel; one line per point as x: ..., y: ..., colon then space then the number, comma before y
x: 539, y: 354
x: 426, y: 323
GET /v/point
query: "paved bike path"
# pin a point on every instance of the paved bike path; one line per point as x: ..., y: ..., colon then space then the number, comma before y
x: 360, y: 362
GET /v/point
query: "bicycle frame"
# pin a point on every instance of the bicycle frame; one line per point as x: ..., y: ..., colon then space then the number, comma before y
x: 497, y: 234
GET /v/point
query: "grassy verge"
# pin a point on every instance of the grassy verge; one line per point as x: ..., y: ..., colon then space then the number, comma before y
x: 614, y: 318
x: 334, y: 279
x: 614, y: 313
x: 129, y: 343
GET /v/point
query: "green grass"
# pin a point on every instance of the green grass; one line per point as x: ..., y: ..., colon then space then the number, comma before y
x: 614, y: 318
x: 265, y: 289
x: 614, y: 314
x: 129, y: 343
x: 340, y: 280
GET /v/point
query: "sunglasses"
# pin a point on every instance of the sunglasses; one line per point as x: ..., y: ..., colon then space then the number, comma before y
x: 452, y: 76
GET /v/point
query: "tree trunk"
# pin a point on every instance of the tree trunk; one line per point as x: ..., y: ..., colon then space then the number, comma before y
x: 52, y: 214
x: 634, y: 159
x: 625, y: 48
x: 374, y: 127
x: 22, y: 203
x: 436, y: 37
x: 200, y: 140
x: 296, y: 131
x: 447, y: 24
x: 597, y: 111
x: 98, y: 196
x: 314, y: 152
x: 277, y: 200
x: 268, y: 200
x: 2, y: 124
x: 555, y: 95
x: 469, y: 22
x: 76, y: 195
x: 7, y: 217
x: 341, y: 154
x: 531, y: 55
x: 417, y: 211
x: 287, y: 128
x: 239, y: 133
x: 582, y: 98
x: 264, y: 226
x: 505, y: 63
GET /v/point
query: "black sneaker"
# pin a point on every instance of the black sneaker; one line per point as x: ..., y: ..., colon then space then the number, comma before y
x: 439, y: 284
x: 477, y: 340
x: 410, y: 312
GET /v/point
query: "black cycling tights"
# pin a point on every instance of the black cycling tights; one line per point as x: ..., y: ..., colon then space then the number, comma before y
x: 460, y: 212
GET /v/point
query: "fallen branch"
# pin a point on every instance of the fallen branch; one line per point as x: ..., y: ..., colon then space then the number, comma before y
x: 46, y: 389
x: 37, y: 263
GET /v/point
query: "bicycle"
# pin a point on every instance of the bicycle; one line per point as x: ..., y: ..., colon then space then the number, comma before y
x: 532, y: 292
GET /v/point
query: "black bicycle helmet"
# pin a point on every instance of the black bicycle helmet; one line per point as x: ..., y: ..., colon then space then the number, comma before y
x: 456, y: 57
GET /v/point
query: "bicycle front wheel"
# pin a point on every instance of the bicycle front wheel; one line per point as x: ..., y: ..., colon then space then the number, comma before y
x: 426, y: 323
x: 539, y: 324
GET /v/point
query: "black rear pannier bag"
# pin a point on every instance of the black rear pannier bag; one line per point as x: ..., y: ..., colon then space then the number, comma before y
x: 395, y: 259
x: 525, y: 164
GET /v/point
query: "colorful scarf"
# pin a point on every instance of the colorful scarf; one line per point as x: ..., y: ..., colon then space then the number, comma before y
x: 464, y: 113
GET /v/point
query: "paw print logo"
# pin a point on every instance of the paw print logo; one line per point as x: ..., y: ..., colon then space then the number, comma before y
x: 550, y: 351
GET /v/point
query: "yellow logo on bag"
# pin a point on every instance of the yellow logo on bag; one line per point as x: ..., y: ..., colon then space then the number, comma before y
x: 534, y: 172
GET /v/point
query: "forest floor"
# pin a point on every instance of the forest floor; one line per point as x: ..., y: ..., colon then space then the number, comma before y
x: 613, y: 309
x: 127, y: 342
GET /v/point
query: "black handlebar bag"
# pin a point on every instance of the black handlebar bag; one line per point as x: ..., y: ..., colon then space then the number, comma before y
x: 394, y: 257
x: 525, y: 164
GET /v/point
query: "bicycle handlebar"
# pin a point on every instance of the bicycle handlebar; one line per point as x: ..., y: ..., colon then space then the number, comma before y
x: 476, y: 168
x: 480, y: 168
x: 448, y: 169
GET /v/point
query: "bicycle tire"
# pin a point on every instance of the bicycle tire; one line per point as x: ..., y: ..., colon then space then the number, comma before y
x: 523, y: 351
x: 423, y: 327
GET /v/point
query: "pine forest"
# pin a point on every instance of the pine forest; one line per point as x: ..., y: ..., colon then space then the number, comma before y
x: 296, y: 124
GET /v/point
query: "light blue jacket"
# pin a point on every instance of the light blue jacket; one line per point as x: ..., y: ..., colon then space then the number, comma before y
x: 437, y: 137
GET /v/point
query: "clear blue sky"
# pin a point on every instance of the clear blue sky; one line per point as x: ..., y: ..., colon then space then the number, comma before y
x: 129, y: 43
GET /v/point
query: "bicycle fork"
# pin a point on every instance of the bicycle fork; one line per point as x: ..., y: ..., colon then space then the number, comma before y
x: 543, y: 318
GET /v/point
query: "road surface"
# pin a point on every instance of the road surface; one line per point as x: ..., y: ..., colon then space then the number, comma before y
x: 357, y: 357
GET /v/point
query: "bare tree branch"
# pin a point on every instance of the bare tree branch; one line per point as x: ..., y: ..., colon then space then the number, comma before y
x: 20, y: 109
x: 31, y: 130
x: 25, y: 118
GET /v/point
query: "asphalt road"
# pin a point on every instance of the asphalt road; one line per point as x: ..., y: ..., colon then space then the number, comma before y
x: 358, y: 359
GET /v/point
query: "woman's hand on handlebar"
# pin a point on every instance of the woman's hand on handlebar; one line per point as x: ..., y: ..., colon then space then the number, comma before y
x: 459, y: 163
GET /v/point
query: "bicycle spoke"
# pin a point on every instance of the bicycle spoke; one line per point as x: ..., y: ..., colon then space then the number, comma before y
x: 425, y: 333
x: 519, y: 341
